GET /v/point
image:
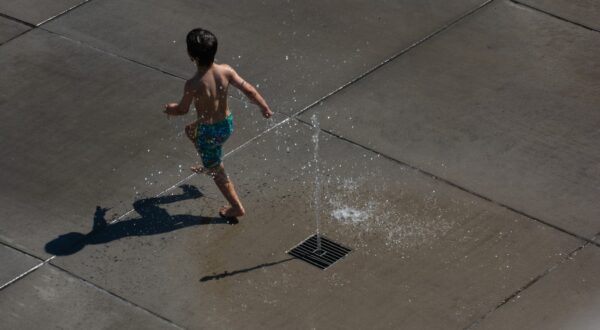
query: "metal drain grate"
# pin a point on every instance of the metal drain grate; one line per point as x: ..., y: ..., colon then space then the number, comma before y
x: 330, y: 252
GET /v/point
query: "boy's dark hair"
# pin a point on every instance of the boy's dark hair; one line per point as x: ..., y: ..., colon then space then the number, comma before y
x: 202, y: 46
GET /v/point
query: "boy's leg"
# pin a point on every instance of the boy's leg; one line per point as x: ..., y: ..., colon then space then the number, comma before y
x: 226, y: 186
x: 191, y: 131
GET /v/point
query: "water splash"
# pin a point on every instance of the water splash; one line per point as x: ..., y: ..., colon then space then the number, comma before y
x: 350, y: 214
x: 403, y: 220
x: 317, y: 193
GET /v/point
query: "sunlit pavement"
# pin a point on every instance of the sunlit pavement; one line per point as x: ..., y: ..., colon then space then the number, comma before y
x: 457, y: 158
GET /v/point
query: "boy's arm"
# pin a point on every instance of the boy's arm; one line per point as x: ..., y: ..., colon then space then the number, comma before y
x: 249, y: 90
x: 181, y: 108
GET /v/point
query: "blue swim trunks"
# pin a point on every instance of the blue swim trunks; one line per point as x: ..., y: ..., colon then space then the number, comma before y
x: 210, y: 139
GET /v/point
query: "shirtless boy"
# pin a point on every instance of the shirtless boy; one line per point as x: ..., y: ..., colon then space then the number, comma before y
x: 208, y: 90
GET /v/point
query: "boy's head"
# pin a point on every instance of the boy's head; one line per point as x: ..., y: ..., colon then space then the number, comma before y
x: 202, y: 46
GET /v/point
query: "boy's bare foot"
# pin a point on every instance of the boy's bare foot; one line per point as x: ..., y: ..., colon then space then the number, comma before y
x: 231, y: 212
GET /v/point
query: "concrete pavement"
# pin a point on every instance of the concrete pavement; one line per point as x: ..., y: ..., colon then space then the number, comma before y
x: 458, y: 158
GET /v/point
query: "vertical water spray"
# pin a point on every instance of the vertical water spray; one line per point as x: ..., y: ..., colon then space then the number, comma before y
x: 316, y: 250
x: 317, y: 193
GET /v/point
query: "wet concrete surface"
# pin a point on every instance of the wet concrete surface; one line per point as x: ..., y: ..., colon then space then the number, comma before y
x: 463, y: 173
x: 421, y: 249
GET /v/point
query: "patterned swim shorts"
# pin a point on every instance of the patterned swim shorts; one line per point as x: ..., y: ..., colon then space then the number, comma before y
x: 210, y: 139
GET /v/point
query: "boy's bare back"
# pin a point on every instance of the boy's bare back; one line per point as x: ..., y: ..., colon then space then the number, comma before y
x: 208, y: 90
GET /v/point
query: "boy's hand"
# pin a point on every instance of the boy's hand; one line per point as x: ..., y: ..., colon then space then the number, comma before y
x: 267, y: 113
x: 171, y: 108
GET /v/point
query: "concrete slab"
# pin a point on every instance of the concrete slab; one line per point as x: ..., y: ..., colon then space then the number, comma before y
x: 37, y: 11
x: 14, y: 263
x: 83, y: 129
x: 10, y: 29
x: 507, y: 110
x: 425, y: 255
x: 584, y: 12
x: 297, y: 51
x: 50, y: 297
x: 567, y: 298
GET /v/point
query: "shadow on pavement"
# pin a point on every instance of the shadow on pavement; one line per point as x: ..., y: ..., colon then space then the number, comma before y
x: 154, y: 220
x: 246, y: 270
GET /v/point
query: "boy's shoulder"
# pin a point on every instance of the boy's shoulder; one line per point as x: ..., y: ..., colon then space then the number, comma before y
x: 223, y: 67
x: 225, y: 70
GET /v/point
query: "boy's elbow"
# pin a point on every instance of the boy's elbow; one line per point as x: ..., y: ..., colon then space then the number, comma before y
x: 251, y: 93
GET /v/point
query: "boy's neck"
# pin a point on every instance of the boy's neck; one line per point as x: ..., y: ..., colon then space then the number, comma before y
x: 202, y: 68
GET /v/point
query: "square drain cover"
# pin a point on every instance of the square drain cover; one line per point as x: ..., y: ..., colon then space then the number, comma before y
x: 330, y: 252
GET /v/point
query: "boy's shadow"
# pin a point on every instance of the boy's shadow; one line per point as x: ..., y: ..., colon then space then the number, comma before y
x: 154, y: 220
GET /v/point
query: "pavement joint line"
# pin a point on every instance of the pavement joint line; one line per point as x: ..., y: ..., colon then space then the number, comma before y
x: 18, y: 277
x: 20, y: 250
x: 533, y: 281
x: 522, y: 4
x: 159, y: 194
x: 82, y: 43
x: 29, y: 271
x: 455, y: 185
x: 395, y: 56
x: 47, y: 262
x: 594, y: 240
x: 63, y: 12
x: 79, y: 42
x: 17, y: 20
x: 31, y: 27
x: 15, y: 37
x: 128, y: 302
x: 35, y: 26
